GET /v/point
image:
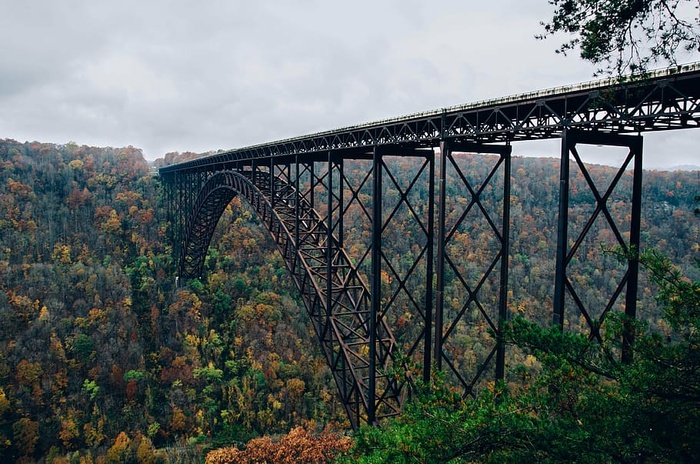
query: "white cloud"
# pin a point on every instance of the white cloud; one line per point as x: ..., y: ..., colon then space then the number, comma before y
x: 183, y: 75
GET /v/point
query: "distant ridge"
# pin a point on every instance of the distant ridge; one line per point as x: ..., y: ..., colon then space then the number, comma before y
x: 682, y: 167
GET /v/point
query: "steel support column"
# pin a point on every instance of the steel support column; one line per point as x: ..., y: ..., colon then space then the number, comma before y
x: 273, y: 193
x: 633, y: 262
x: 562, y: 232
x: 329, y: 245
x: 440, y: 282
x: 427, y: 347
x: 376, y: 278
x: 503, y: 289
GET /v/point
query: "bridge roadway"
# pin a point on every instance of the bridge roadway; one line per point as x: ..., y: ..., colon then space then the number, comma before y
x: 300, y: 190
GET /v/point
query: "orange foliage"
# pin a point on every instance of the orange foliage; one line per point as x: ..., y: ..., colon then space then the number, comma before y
x: 26, y: 434
x: 298, y: 446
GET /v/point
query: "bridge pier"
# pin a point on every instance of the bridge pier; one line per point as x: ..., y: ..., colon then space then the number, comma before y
x: 471, y: 281
x: 567, y: 252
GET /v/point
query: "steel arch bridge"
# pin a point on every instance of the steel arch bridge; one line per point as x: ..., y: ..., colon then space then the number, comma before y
x: 302, y: 192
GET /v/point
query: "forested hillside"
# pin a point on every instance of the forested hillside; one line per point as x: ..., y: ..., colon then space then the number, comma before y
x: 102, y: 357
x: 97, y: 345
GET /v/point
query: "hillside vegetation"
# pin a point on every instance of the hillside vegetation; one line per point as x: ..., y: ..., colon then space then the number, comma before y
x: 96, y: 343
x: 102, y: 358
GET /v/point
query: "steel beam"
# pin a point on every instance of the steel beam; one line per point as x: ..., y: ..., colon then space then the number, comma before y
x: 376, y: 278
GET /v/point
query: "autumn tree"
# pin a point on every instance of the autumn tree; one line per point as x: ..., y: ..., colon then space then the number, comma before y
x: 96, y: 341
x: 298, y: 446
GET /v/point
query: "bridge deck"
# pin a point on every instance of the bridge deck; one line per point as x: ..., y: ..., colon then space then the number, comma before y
x: 667, y: 99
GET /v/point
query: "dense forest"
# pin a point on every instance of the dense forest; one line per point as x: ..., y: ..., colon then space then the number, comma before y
x: 100, y: 353
x: 103, y: 359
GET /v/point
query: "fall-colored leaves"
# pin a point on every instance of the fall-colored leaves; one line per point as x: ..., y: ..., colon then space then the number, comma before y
x: 298, y: 446
x: 100, y: 352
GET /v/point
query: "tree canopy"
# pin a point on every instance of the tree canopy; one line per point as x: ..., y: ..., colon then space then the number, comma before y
x: 626, y: 35
x: 575, y: 401
x: 102, y: 358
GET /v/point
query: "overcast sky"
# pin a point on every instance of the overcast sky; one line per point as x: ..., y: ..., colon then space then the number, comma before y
x: 205, y: 75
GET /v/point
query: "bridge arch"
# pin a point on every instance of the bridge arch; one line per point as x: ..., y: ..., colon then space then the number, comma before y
x: 210, y: 204
x: 334, y: 294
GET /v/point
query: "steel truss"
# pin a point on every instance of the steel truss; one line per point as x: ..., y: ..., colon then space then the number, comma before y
x: 379, y: 317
